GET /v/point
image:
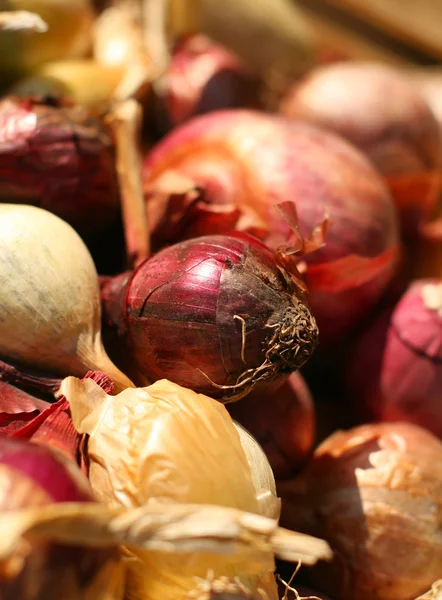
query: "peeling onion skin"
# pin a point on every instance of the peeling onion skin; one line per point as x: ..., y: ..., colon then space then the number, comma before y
x: 202, y: 76
x: 283, y: 422
x: 184, y: 309
x: 375, y: 494
x: 30, y: 476
x: 395, y: 373
x: 378, y: 109
x: 56, y: 155
x: 243, y: 163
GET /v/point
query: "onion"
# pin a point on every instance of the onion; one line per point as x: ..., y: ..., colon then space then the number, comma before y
x: 396, y: 368
x: 215, y: 314
x: 69, y: 34
x: 375, y: 494
x: 429, y: 83
x: 230, y: 169
x: 31, y: 476
x: 378, y: 109
x: 282, y: 421
x: 203, y: 76
x: 57, y: 155
x: 71, y: 79
x: 49, y: 296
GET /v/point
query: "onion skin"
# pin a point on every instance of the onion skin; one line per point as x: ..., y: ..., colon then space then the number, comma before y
x: 374, y: 493
x: 203, y: 76
x: 56, y: 155
x: 32, y: 475
x: 378, y: 109
x: 396, y: 367
x: 183, y: 313
x: 241, y: 164
x: 283, y: 422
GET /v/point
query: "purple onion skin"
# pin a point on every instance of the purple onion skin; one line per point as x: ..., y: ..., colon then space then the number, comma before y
x: 202, y: 77
x: 184, y: 311
x: 32, y: 476
x: 56, y: 155
x: 396, y: 368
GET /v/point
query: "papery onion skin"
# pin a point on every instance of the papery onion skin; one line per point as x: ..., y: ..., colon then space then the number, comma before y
x: 217, y: 315
x: 378, y: 109
x: 243, y: 163
x: 395, y: 373
x: 55, y: 154
x: 203, y: 76
x: 282, y: 419
x: 375, y: 494
x: 32, y: 475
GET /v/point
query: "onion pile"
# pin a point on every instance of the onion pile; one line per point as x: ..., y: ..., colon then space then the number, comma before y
x: 379, y: 110
x: 230, y: 169
x: 217, y: 314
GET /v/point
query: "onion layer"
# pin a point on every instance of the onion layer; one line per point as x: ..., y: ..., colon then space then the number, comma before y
x: 229, y: 169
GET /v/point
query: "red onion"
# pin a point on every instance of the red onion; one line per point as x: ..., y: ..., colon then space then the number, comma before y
x: 375, y: 494
x: 216, y: 314
x: 396, y: 368
x: 56, y: 155
x: 203, y: 76
x: 282, y: 420
x: 379, y: 110
x: 33, y: 475
x: 230, y: 169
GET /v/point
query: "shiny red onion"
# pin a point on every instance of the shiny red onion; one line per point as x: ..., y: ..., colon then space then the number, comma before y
x: 396, y: 368
x: 33, y: 475
x: 56, y: 155
x: 282, y: 420
x: 203, y: 76
x: 215, y: 314
x: 379, y: 110
x: 229, y: 169
x: 375, y: 494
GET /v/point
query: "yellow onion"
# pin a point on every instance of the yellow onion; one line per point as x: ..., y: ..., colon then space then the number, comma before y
x: 85, y: 81
x: 166, y: 444
x: 68, y: 36
x: 375, y: 494
x: 50, y: 314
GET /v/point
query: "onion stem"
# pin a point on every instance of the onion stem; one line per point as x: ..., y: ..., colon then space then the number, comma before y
x: 125, y: 120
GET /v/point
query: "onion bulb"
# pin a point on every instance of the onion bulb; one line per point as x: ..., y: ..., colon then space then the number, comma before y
x: 33, y: 476
x: 232, y: 169
x: 69, y: 34
x: 59, y: 156
x: 395, y: 372
x: 165, y: 444
x: 375, y: 494
x: 282, y: 419
x: 217, y: 314
x: 379, y: 110
x: 49, y: 296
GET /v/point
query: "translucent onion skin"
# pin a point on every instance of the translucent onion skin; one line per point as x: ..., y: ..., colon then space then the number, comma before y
x: 203, y: 76
x: 283, y: 422
x: 380, y: 111
x: 375, y: 494
x: 243, y: 163
x: 215, y: 314
x: 396, y: 367
x: 56, y: 155
x: 32, y: 475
